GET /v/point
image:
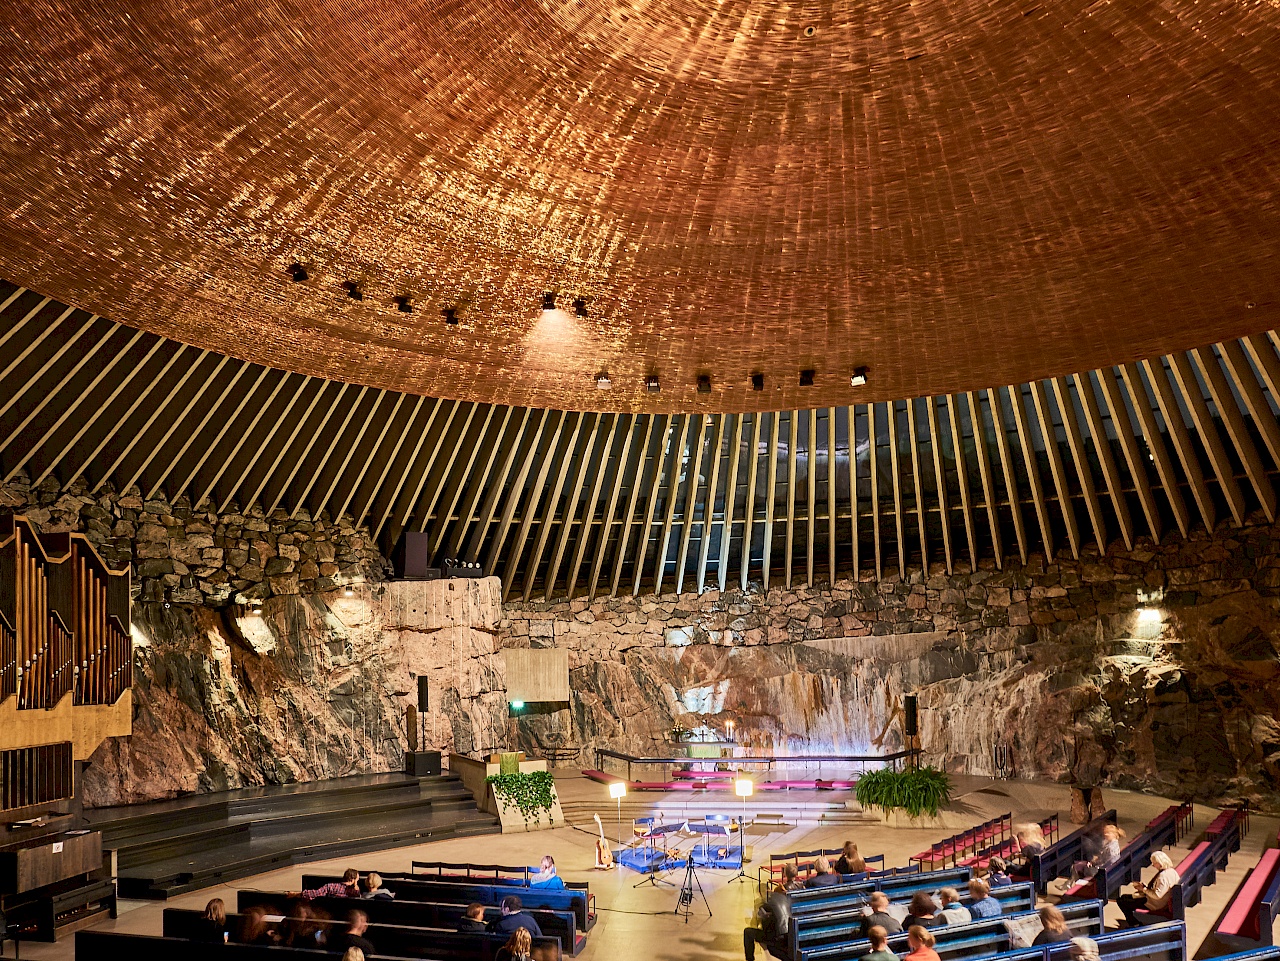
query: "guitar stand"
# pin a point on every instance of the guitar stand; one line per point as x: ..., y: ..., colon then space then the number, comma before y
x: 685, y: 903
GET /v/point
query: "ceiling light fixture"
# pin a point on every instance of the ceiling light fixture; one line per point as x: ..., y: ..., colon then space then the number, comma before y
x: 549, y: 301
x: 806, y: 378
x: 859, y: 376
x: 298, y: 272
x: 704, y: 383
x: 757, y: 381
x: 651, y: 384
x: 450, y: 315
x: 579, y: 307
x: 404, y: 304
x: 602, y: 381
x: 354, y: 290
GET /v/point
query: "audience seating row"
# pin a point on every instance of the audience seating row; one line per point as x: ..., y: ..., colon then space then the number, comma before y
x: 804, y: 862
x: 1183, y: 815
x: 842, y: 920
x: 558, y: 924
x: 487, y: 873
x: 1056, y: 859
x: 998, y: 829
x: 390, y: 939
x: 814, y: 901
x: 1253, y: 911
x: 973, y: 940
x: 1009, y: 846
x: 424, y: 888
x: 1134, y: 858
x: 1257, y: 954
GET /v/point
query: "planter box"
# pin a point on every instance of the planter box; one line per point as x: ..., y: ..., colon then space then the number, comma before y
x: 945, y: 820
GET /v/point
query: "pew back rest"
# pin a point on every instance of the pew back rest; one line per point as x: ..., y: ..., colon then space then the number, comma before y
x: 1056, y: 859
x: 1252, y: 910
x: 897, y: 887
x: 1134, y: 856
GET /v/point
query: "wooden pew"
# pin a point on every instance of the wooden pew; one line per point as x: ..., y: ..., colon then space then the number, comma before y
x: 575, y: 899
x: 979, y: 938
x: 95, y: 945
x: 392, y: 940
x: 1056, y: 860
x: 1252, y: 912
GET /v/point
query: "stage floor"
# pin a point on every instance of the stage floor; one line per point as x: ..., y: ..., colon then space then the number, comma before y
x: 639, y: 922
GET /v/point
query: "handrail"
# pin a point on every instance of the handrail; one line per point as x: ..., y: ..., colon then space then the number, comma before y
x: 766, y: 759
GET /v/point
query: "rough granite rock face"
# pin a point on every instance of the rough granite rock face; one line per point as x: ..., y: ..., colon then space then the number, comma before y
x: 1055, y: 661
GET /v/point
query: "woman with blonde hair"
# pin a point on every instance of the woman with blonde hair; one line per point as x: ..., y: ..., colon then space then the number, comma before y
x: 353, y: 954
x: 1030, y: 844
x: 213, y: 927
x: 850, y: 861
x: 1111, y: 838
x: 1155, y: 896
x: 519, y: 946
x: 921, y: 943
x: 1055, y: 927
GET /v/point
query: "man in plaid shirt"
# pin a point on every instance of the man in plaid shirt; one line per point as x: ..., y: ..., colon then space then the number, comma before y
x: 348, y: 887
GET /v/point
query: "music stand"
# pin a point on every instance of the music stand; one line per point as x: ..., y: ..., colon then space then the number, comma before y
x: 744, y: 787
x: 651, y: 876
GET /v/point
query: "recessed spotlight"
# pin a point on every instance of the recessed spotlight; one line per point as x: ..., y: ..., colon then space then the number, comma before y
x: 602, y: 381
x: 757, y: 381
x: 450, y: 315
x: 859, y: 376
x: 806, y: 378
x: 810, y: 30
x: 404, y: 304
x: 651, y: 384
x: 1250, y: 305
x: 348, y: 592
x: 579, y: 307
x: 704, y: 383
x: 354, y: 290
x: 298, y: 272
x: 549, y: 300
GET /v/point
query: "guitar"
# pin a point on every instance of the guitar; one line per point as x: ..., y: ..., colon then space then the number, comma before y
x: 604, y: 857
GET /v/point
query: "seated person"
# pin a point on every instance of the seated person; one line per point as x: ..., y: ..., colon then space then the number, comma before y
x: 353, y: 937
x: 1083, y: 949
x: 514, y: 916
x: 473, y: 921
x: 1055, y: 927
x: 1153, y: 897
x: 983, y: 904
x: 850, y: 862
x: 879, y: 939
x: 921, y: 943
x: 998, y: 873
x: 376, y: 891
x: 254, y: 928
x: 348, y: 887
x: 519, y: 947
x: 301, y: 928
x: 824, y: 876
x: 775, y: 927
x: 353, y: 954
x: 1030, y: 844
x: 213, y: 927
x: 1111, y: 838
x: 546, y: 872
x: 880, y: 916
x: 923, y: 913
x: 952, y: 909
x: 791, y: 877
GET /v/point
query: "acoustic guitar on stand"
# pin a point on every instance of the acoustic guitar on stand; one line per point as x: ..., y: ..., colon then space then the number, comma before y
x: 604, y: 857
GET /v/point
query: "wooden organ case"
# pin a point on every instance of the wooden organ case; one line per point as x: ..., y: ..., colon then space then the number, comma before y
x: 66, y: 671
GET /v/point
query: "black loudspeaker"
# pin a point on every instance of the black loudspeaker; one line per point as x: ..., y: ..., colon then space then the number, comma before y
x: 422, y: 763
x: 912, y: 720
x: 411, y: 557
x: 422, y: 694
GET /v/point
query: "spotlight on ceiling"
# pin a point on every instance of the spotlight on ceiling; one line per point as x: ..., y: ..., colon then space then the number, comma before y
x: 602, y: 381
x: 859, y: 376
x: 298, y: 272
x: 704, y: 383
x: 404, y: 304
x: 651, y: 384
x: 549, y: 300
x: 354, y: 290
x: 757, y: 381
x: 450, y: 315
x: 579, y: 307
x: 806, y: 378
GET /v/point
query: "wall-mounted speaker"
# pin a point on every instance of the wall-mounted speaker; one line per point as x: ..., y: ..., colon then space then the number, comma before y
x: 422, y: 694
x: 412, y: 555
x: 911, y: 709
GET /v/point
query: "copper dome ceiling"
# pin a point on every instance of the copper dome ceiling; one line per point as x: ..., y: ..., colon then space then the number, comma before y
x: 957, y: 195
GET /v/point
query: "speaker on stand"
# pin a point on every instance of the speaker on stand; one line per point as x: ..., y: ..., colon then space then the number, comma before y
x: 422, y: 763
x: 911, y: 725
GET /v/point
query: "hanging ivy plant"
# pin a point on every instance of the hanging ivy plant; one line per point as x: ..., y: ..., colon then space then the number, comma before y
x: 532, y: 792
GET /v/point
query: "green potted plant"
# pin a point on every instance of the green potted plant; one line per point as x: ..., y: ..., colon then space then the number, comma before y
x: 916, y: 797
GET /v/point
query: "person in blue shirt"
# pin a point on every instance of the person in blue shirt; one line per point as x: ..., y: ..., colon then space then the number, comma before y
x: 825, y: 877
x: 998, y: 873
x: 983, y: 905
x: 514, y: 916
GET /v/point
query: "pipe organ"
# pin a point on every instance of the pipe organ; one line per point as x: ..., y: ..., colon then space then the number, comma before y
x: 66, y: 671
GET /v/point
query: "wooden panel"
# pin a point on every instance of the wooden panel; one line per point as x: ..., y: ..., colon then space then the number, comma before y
x: 536, y: 674
x: 35, y: 864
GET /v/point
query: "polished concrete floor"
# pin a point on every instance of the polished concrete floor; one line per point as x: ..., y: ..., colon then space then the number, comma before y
x: 640, y: 922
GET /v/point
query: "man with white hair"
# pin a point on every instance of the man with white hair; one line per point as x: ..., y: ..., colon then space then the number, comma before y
x: 1083, y: 949
x: 1152, y: 897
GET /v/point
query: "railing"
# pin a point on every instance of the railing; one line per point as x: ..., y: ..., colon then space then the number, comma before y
x: 768, y: 760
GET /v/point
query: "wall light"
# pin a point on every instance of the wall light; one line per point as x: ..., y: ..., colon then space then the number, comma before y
x: 859, y: 377
x: 517, y: 705
x: 348, y: 591
x: 602, y: 381
x: 617, y: 790
x: 1149, y: 615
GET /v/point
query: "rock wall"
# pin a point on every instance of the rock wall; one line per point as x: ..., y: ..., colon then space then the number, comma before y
x: 1058, y: 662
x: 307, y: 682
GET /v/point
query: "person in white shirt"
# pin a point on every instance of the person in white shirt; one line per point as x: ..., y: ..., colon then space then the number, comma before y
x: 952, y: 909
x: 1153, y: 896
